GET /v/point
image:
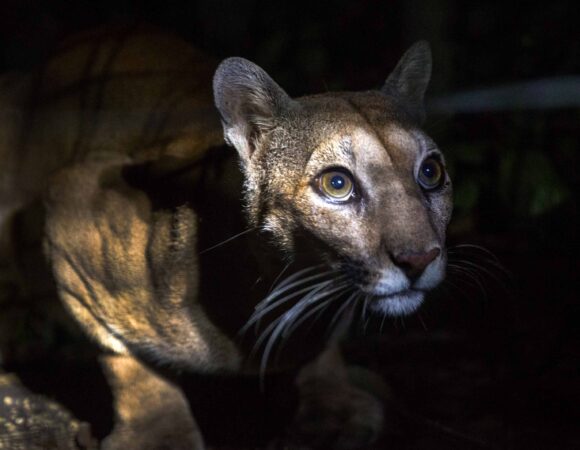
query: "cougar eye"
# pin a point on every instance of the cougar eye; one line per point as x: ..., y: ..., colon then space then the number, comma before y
x: 431, y: 174
x: 336, y: 185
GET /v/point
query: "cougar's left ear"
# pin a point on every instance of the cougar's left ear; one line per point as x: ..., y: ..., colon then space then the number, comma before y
x: 410, y: 79
x: 249, y: 102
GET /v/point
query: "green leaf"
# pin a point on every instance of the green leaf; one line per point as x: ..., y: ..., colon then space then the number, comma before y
x: 541, y: 188
x: 466, y: 195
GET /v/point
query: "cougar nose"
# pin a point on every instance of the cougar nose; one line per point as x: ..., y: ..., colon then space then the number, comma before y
x: 413, y: 264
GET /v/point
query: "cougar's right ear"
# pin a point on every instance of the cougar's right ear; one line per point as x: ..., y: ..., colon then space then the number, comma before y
x: 411, y: 77
x: 249, y: 102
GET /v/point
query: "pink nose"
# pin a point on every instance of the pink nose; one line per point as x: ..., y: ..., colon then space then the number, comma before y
x: 413, y: 264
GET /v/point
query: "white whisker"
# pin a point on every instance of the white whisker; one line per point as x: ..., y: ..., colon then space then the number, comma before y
x: 382, y: 323
x: 227, y: 240
x: 273, y: 295
x: 276, y: 328
x: 312, y: 311
x: 479, y: 267
x: 365, y: 317
x: 297, y: 275
x: 471, y: 276
x: 271, y: 303
x: 331, y: 329
x: 275, y: 282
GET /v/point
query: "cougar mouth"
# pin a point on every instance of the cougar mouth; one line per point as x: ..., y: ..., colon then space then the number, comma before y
x: 401, y: 303
x: 390, y: 291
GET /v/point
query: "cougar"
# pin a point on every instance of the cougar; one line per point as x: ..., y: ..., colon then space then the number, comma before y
x: 172, y: 252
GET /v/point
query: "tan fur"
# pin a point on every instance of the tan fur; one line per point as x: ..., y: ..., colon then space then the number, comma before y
x: 140, y: 395
x: 117, y: 133
x: 140, y: 93
x: 130, y: 274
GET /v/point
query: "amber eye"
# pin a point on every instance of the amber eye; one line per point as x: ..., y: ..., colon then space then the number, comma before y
x: 431, y: 174
x: 336, y: 185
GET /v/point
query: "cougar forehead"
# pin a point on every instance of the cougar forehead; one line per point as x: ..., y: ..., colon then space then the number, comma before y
x: 380, y: 151
x: 328, y: 129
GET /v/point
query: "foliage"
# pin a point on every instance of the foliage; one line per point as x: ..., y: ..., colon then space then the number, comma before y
x: 508, y: 168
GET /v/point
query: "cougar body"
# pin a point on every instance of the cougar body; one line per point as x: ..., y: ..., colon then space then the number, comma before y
x: 340, y: 201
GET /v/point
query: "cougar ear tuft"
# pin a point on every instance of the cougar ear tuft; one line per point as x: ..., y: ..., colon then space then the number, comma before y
x: 249, y: 102
x: 410, y: 79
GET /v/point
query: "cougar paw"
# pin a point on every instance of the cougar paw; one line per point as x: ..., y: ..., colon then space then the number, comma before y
x: 159, y: 436
x: 335, y: 416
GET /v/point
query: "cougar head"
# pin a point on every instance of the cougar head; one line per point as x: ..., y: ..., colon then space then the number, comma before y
x: 348, y: 178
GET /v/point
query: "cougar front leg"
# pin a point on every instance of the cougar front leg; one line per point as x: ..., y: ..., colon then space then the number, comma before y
x: 333, y: 413
x: 151, y: 412
x: 128, y: 275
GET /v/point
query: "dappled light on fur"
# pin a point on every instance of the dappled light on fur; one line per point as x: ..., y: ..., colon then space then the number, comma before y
x: 135, y: 210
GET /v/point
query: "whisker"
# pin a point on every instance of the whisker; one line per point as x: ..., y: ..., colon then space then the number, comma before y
x: 275, y: 282
x: 475, y: 251
x: 311, y: 298
x: 481, y: 268
x: 365, y: 305
x: 271, y: 302
x: 447, y: 283
x: 295, y: 276
x: 290, y: 327
x: 287, y: 314
x: 277, y: 327
x: 365, y: 317
x: 462, y: 270
x: 422, y: 322
x: 227, y: 240
x: 339, y: 314
x: 403, y: 325
x: 274, y: 295
x: 291, y: 315
x: 268, y: 305
x: 383, y: 323
x: 471, y: 276
x: 350, y: 315
x: 474, y: 247
x: 309, y: 314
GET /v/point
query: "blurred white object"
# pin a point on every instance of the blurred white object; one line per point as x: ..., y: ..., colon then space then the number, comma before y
x: 547, y: 93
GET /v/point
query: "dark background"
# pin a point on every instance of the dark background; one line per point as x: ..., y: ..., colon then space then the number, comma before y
x: 492, y: 361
